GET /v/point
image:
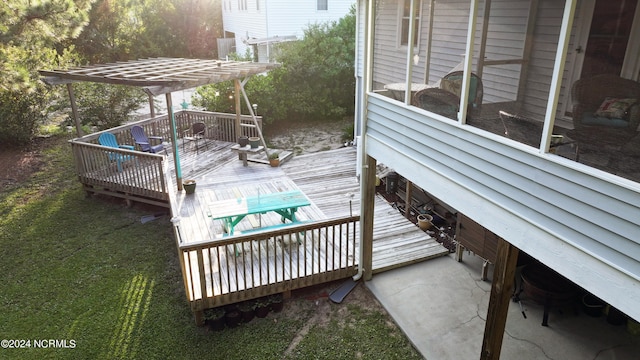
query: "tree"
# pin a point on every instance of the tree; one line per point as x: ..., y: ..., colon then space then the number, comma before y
x: 121, y: 30
x: 30, y: 32
x: 317, y: 73
x: 316, y: 79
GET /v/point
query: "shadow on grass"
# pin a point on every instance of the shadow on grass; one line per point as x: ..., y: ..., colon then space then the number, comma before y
x: 89, y: 275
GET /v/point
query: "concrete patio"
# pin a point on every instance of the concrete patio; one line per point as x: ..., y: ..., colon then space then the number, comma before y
x: 441, y: 306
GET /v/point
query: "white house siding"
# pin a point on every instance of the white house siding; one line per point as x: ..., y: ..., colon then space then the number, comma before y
x: 278, y: 18
x: 581, y: 222
x: 249, y: 23
x: 505, y: 40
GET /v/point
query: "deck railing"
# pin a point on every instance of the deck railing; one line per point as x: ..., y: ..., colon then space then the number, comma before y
x: 244, y: 267
x: 139, y: 176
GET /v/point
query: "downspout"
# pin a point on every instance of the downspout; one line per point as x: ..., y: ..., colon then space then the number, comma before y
x: 367, y: 61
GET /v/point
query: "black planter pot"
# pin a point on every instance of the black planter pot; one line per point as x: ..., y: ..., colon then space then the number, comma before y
x: 616, y: 317
x: 243, y: 141
x: 216, y: 324
x: 262, y: 311
x: 233, y: 318
x: 592, y: 306
x: 247, y: 315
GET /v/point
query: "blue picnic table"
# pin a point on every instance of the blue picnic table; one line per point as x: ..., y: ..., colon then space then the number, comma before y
x: 232, y: 211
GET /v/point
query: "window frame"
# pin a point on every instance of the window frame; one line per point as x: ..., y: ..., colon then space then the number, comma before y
x: 403, y: 33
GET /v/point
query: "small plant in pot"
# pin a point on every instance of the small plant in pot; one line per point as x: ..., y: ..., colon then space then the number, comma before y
x: 215, y: 318
x: 262, y: 307
x: 274, y: 159
x: 277, y: 302
x: 247, y: 310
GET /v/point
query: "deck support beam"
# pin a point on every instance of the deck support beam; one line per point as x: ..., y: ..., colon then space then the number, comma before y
x: 501, y: 290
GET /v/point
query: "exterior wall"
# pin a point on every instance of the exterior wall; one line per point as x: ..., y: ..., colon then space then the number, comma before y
x: 580, y: 221
x: 277, y: 18
x: 505, y: 41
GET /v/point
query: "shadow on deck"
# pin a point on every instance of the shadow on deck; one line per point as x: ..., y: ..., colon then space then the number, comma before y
x: 253, y: 263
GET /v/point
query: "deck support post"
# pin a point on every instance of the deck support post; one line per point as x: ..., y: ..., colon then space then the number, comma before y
x: 501, y: 290
x: 407, y: 199
x: 366, y: 219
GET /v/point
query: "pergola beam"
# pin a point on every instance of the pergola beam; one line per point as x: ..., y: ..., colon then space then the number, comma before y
x: 159, y: 76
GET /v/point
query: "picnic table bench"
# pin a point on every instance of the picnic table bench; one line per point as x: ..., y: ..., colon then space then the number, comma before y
x: 232, y: 211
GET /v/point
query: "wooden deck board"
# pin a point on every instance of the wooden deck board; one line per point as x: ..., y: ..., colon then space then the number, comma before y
x: 328, y: 179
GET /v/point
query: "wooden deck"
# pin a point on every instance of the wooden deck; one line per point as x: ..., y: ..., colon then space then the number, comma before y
x: 327, y: 178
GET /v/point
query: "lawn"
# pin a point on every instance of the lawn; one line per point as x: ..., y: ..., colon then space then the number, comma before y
x: 88, y: 273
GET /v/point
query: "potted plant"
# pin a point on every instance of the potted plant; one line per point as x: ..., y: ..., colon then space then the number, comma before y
x: 262, y: 307
x: 274, y: 159
x: 189, y: 186
x: 247, y: 310
x: 254, y: 141
x: 215, y: 318
x: 277, y: 302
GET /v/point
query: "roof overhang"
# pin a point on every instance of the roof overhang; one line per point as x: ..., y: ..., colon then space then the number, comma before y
x: 159, y: 75
x: 267, y: 40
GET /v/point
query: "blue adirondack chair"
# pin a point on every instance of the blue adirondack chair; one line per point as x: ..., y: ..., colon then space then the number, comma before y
x: 143, y: 141
x: 108, y: 139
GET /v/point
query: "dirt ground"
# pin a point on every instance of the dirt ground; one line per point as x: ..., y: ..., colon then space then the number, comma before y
x: 304, y: 138
x: 16, y: 165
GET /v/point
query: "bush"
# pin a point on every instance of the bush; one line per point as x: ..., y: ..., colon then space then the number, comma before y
x: 20, y: 116
x: 107, y: 106
x: 315, y: 82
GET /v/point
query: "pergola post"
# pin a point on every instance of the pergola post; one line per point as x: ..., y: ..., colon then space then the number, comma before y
x: 74, y: 110
x: 236, y: 82
x: 174, y: 141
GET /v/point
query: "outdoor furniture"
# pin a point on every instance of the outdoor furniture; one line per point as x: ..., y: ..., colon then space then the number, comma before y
x: 398, y: 89
x: 195, y: 134
x: 142, y: 140
x: 243, y: 151
x: 438, y: 101
x: 528, y: 131
x: 592, y: 111
x: 452, y: 82
x: 108, y: 139
x: 232, y: 211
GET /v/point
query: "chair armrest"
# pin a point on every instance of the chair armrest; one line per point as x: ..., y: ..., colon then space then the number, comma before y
x: 128, y: 147
x: 156, y: 138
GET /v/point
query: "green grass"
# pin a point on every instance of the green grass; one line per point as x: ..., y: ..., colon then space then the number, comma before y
x: 86, y: 269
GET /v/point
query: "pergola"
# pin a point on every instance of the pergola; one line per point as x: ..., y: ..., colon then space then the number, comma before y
x: 159, y: 76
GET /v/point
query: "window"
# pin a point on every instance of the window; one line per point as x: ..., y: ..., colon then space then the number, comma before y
x: 323, y: 4
x: 405, y: 21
